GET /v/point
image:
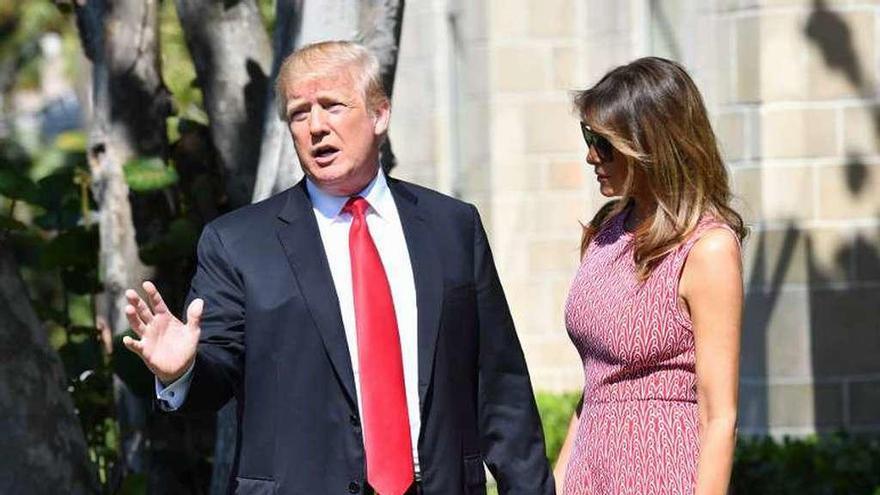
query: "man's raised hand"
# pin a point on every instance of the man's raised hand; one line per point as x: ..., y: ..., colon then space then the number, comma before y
x: 166, y: 345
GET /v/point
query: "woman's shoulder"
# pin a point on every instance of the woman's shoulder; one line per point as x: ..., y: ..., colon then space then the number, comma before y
x: 712, y: 239
x: 711, y: 225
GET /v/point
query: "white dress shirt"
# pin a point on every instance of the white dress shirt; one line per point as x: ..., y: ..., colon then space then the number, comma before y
x: 384, y: 224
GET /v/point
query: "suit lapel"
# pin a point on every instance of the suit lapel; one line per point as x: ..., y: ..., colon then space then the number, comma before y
x: 428, y: 275
x: 301, y: 239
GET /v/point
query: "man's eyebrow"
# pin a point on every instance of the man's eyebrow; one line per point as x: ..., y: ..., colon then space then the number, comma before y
x: 294, y: 105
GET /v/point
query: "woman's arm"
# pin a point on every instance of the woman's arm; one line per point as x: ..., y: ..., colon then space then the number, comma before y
x: 562, y: 460
x: 711, y: 285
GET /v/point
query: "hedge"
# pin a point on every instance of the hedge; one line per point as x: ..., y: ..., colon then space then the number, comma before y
x: 829, y: 464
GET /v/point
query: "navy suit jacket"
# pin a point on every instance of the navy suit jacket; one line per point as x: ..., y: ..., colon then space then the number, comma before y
x: 272, y: 336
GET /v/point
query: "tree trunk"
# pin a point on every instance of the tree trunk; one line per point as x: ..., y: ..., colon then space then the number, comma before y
x: 381, y: 22
x: 41, y: 440
x: 232, y: 55
x: 297, y: 23
x: 375, y: 23
x: 129, y: 107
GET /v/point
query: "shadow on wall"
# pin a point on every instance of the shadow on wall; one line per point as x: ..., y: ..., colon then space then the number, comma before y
x: 842, y: 284
x: 845, y: 324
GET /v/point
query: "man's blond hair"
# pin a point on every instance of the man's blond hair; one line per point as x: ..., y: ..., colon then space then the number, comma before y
x: 326, y: 59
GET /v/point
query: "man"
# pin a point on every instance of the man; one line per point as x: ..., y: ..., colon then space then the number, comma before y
x: 358, y: 319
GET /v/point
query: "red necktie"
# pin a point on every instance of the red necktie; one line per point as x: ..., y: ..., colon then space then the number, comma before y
x: 383, y: 395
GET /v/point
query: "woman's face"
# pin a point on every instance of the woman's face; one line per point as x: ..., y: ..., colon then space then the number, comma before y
x: 608, y: 164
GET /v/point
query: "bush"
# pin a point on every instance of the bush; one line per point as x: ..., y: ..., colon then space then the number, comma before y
x: 839, y: 463
x: 556, y: 411
x: 817, y: 465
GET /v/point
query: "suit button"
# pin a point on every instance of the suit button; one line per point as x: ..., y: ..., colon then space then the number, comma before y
x: 354, y: 487
x: 354, y: 420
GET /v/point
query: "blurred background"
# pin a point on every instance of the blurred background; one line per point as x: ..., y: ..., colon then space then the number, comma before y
x: 128, y: 124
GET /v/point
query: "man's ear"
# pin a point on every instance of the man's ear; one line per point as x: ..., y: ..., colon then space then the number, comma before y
x: 381, y: 117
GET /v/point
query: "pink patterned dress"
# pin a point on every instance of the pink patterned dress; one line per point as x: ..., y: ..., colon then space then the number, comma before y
x: 638, y: 431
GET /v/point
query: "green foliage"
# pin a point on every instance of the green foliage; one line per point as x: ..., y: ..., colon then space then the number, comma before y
x: 556, y: 411
x: 74, y: 248
x: 47, y: 226
x: 148, y: 174
x: 134, y: 484
x: 80, y: 353
x: 22, y: 24
x: 74, y: 142
x: 178, y: 70
x: 10, y: 224
x: 267, y: 12
x: 14, y: 185
x: 45, y: 217
x: 816, y: 465
x: 178, y: 242
x: 129, y: 368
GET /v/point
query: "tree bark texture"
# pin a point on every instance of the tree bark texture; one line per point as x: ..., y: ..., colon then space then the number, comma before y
x: 42, y: 446
x: 232, y: 55
x: 297, y: 23
x: 381, y: 22
x: 129, y: 106
x: 375, y: 23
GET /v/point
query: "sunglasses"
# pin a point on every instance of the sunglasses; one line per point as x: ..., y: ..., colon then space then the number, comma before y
x: 599, y: 143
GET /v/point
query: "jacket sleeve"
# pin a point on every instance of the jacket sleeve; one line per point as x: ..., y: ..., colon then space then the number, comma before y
x: 219, y: 363
x: 511, y: 437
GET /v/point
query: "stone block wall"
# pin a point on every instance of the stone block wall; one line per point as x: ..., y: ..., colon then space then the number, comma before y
x: 482, y: 111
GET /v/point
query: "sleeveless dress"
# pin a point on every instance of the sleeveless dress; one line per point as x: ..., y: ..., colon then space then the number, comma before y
x: 638, y: 430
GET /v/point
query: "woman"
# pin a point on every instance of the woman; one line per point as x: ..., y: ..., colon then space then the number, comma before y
x: 654, y: 309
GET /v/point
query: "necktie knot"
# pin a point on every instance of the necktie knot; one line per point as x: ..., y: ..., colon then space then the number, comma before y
x: 356, y: 206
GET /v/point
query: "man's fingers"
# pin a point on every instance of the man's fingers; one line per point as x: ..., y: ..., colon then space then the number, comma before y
x: 142, y: 309
x: 194, y: 313
x: 155, y: 298
x: 134, y: 320
x: 135, y: 346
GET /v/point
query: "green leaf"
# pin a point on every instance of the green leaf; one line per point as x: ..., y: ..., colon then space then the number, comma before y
x: 81, y: 280
x: 27, y: 245
x: 134, y: 484
x: 77, y: 247
x: 65, y: 213
x: 178, y: 243
x: 14, y: 156
x: 130, y: 368
x: 8, y: 224
x: 72, y: 142
x: 80, y: 356
x: 171, y: 125
x: 556, y: 411
x: 48, y: 313
x: 148, y: 174
x: 17, y: 186
x: 49, y: 162
x: 57, y: 190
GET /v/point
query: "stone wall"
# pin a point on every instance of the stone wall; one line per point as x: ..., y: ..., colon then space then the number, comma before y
x: 482, y: 111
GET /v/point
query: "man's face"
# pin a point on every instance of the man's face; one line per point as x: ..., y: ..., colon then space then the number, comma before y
x: 336, y: 137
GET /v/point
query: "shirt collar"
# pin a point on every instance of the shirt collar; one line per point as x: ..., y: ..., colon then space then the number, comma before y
x: 376, y: 193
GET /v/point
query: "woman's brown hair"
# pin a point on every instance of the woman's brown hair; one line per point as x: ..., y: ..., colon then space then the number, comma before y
x: 651, y: 111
